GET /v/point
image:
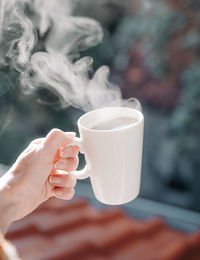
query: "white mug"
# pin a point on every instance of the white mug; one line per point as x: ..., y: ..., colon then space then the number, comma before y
x: 113, y: 157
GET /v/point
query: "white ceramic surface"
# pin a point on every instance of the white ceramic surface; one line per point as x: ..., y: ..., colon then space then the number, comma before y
x: 113, y: 157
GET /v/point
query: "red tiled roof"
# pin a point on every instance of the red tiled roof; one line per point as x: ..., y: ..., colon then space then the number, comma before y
x: 75, y: 230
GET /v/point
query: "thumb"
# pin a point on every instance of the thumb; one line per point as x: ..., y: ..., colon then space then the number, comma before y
x: 55, y: 139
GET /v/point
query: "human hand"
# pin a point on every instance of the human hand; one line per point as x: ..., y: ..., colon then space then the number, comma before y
x: 36, y: 176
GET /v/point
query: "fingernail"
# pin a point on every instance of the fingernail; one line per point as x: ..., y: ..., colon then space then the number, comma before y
x: 58, y: 192
x: 54, y: 180
x: 70, y: 149
x: 60, y: 166
x: 66, y: 153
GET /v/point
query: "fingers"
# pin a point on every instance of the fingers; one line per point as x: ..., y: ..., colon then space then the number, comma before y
x: 68, y: 164
x: 63, y: 193
x: 54, y: 140
x: 62, y: 180
x: 63, y: 186
x: 69, y: 152
x: 67, y: 159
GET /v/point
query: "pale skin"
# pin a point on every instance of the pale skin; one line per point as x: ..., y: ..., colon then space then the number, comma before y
x: 36, y: 176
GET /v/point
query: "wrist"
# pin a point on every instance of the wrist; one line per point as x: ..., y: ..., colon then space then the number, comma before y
x: 6, y: 206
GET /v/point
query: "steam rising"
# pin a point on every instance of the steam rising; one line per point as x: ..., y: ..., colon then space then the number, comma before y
x: 56, y: 68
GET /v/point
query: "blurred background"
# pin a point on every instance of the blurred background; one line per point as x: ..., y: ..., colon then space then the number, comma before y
x: 153, y: 50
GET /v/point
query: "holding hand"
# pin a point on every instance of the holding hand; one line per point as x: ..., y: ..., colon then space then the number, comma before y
x: 39, y: 173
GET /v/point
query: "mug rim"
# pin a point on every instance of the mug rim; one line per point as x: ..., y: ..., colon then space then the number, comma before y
x: 141, y: 118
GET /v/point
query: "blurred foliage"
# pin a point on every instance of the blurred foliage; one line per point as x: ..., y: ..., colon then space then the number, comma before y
x: 168, y: 35
x: 185, y: 119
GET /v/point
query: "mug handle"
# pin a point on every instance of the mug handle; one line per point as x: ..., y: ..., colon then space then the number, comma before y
x: 84, y: 173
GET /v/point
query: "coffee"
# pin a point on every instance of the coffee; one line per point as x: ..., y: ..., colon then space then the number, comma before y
x: 114, y: 124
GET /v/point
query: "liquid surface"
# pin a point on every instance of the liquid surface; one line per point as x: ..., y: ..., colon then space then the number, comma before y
x: 116, y: 123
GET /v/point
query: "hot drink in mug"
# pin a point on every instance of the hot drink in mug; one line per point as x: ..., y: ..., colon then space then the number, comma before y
x: 112, y: 140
